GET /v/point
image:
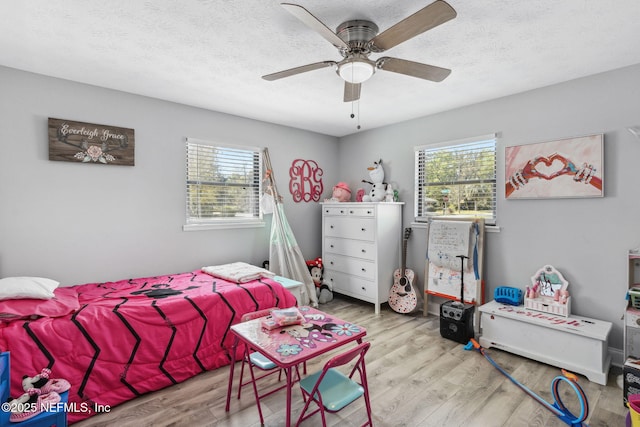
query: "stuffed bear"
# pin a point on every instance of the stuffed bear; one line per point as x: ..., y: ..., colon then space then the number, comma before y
x: 323, y: 292
x: 341, y: 193
x: 379, y: 189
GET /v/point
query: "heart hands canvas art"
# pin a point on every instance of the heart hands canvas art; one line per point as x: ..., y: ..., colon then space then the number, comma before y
x: 570, y: 167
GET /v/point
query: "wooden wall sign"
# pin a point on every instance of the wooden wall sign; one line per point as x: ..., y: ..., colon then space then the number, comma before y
x: 80, y: 142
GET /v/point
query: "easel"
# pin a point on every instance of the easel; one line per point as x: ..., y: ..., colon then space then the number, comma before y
x: 476, y: 286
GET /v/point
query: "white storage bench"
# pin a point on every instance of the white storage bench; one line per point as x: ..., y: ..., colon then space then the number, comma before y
x: 577, y: 344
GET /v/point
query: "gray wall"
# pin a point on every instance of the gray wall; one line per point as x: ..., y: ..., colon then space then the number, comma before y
x: 80, y: 223
x: 586, y: 239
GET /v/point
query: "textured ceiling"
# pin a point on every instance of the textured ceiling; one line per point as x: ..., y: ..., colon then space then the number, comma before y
x: 212, y: 53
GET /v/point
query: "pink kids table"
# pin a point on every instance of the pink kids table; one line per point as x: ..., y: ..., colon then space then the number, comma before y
x: 290, y: 346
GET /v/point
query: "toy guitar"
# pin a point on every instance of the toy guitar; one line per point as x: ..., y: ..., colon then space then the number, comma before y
x: 403, y: 298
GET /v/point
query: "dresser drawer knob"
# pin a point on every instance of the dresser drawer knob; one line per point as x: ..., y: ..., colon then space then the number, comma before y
x: 364, y: 289
x: 364, y: 229
x: 350, y: 212
x: 341, y: 211
x: 331, y: 226
x: 369, y: 212
x: 364, y: 251
x: 331, y: 262
x: 331, y: 246
x: 363, y: 269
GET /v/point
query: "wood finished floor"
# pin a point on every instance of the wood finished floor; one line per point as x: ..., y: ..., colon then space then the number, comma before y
x: 416, y: 378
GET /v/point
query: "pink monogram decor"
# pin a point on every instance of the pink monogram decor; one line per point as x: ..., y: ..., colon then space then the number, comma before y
x: 305, y: 183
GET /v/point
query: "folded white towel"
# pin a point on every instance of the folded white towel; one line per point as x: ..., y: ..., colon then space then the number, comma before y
x: 238, y: 272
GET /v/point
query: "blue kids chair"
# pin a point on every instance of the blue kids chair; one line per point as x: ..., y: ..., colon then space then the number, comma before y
x: 44, y: 419
x: 331, y: 390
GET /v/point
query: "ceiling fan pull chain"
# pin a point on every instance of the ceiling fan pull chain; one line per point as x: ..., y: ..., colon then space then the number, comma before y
x: 353, y: 115
x: 352, y: 102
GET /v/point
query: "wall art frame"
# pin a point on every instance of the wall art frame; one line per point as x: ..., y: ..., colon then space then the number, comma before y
x: 80, y: 142
x: 564, y: 168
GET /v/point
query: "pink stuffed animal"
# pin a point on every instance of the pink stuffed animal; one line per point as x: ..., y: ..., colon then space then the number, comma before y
x: 341, y: 193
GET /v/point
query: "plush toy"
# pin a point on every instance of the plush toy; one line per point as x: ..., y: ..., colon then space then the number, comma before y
x: 341, y: 193
x: 389, y: 194
x: 44, y: 383
x: 379, y: 187
x: 359, y: 194
x: 323, y: 292
x: 315, y: 268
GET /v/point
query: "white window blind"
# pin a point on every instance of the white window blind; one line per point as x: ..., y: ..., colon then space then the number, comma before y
x: 457, y: 178
x: 223, y: 184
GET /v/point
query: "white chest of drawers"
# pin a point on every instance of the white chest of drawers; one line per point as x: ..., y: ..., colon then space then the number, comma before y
x: 361, y: 248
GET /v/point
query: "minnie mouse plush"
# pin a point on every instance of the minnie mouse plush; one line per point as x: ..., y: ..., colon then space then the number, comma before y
x: 323, y: 292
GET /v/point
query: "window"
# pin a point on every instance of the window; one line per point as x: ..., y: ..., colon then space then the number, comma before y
x: 457, y: 179
x: 223, y: 185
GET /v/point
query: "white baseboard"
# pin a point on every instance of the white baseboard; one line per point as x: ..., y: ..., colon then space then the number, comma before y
x: 617, y: 357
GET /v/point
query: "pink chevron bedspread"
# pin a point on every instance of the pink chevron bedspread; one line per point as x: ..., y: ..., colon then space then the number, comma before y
x: 134, y: 336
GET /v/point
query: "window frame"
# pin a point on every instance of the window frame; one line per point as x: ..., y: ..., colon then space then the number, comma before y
x: 199, y: 223
x: 420, y: 214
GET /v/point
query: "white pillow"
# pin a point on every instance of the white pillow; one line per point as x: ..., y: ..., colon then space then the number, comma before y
x: 27, y: 287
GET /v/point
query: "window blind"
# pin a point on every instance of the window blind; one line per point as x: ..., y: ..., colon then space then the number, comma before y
x: 456, y: 179
x: 223, y: 182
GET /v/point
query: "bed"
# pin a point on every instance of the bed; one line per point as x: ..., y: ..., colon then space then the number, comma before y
x: 118, y: 340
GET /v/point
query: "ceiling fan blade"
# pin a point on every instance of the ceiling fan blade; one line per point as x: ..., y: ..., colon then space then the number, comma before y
x: 425, y: 19
x: 413, y: 69
x: 351, y: 91
x: 298, y: 70
x: 311, y: 21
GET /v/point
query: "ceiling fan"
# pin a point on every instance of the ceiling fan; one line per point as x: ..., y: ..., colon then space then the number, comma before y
x: 357, y: 39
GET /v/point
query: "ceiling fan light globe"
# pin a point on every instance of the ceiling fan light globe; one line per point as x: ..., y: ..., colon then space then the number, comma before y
x: 356, y: 71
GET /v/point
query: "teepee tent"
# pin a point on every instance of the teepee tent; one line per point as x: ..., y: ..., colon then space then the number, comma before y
x: 285, y: 256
